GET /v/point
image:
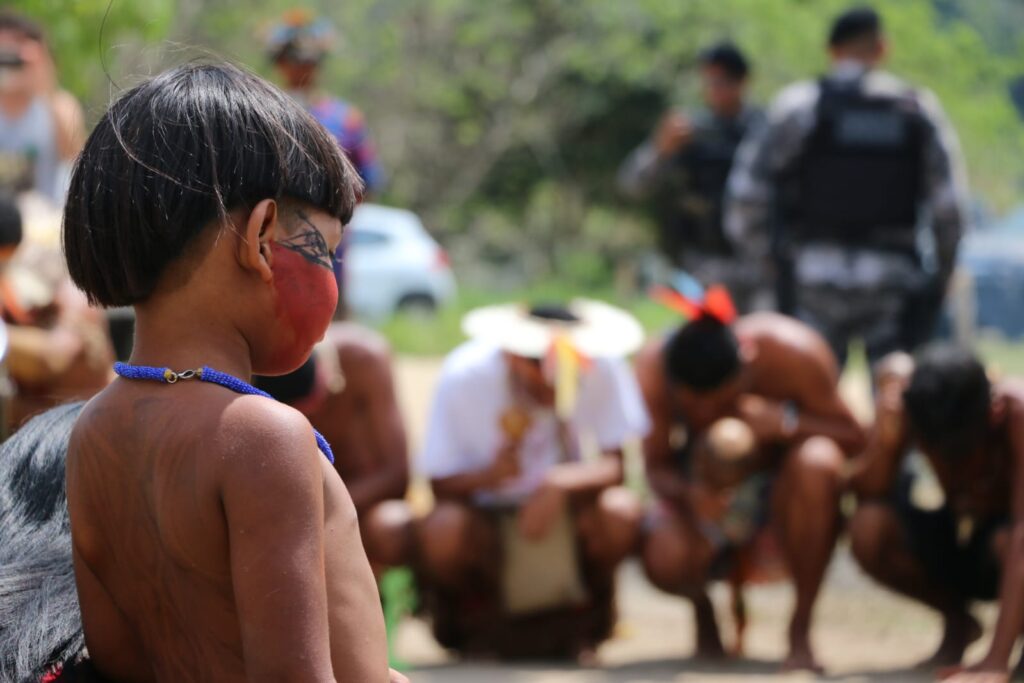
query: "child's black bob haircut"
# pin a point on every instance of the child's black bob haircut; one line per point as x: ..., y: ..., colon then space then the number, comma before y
x: 178, y: 152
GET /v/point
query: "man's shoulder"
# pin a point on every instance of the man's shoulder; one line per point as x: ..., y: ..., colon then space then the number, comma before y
x: 359, y: 343
x: 1012, y: 389
x: 784, y: 336
x: 886, y: 82
x: 769, y: 324
x: 794, y: 98
x: 339, y: 111
x: 472, y: 359
x: 649, y: 357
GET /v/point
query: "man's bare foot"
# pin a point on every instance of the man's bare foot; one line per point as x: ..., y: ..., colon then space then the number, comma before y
x: 802, y: 659
x: 961, y: 630
x: 586, y: 657
x: 709, y: 642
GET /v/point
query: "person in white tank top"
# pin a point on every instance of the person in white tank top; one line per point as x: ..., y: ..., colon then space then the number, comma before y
x: 41, y: 126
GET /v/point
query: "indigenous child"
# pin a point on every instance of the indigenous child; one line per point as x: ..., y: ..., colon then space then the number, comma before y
x: 211, y: 540
x: 947, y: 551
x: 527, y: 532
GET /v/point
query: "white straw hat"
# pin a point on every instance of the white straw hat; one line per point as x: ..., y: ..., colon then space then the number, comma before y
x: 593, y: 328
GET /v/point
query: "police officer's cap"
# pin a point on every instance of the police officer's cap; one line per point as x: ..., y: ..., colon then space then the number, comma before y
x: 854, y: 23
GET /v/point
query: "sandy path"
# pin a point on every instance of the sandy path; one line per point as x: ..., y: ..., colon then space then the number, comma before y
x: 862, y: 633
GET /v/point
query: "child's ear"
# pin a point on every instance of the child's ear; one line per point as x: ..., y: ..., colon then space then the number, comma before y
x: 260, y: 229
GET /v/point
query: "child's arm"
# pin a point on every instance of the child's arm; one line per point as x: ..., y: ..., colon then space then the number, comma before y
x: 272, y: 490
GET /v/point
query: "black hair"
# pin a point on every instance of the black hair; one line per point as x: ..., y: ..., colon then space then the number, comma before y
x: 553, y: 312
x: 702, y: 355
x: 10, y: 221
x: 12, y: 21
x: 854, y: 24
x: 948, y: 399
x: 294, y: 386
x: 179, y: 151
x: 298, y: 51
x: 40, y: 621
x: 726, y: 56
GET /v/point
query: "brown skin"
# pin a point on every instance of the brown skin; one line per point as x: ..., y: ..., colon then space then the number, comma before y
x: 211, y: 540
x: 364, y: 426
x: 297, y: 75
x: 456, y: 540
x: 722, y: 94
x: 782, y: 360
x: 989, y: 481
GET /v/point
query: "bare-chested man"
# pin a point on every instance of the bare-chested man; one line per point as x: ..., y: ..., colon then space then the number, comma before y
x: 347, y: 391
x: 968, y: 543
x: 211, y: 540
x: 778, y: 376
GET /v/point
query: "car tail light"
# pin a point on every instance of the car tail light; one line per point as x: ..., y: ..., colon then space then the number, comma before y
x: 442, y: 261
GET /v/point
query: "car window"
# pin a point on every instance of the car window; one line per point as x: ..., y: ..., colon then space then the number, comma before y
x: 364, y: 238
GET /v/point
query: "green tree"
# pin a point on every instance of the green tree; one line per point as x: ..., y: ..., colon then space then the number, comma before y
x: 100, y: 44
x: 503, y: 122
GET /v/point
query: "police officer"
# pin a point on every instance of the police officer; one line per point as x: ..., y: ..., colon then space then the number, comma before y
x: 684, y: 166
x: 836, y: 186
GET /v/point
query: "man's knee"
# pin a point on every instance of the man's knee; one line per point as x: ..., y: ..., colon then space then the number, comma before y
x: 816, y: 465
x: 616, y: 529
x: 442, y: 537
x: 670, y: 559
x: 387, y: 529
x: 871, y: 531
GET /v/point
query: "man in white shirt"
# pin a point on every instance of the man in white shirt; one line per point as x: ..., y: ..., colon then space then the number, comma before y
x: 514, y: 409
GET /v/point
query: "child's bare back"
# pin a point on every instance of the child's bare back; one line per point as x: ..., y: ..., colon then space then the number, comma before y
x: 153, y: 505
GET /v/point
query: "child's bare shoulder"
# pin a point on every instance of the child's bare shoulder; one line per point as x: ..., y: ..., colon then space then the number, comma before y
x: 267, y: 445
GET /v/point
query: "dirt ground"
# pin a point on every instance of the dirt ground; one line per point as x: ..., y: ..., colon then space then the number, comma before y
x: 862, y: 633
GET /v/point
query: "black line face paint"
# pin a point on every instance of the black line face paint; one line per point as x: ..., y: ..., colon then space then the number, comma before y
x: 310, y: 245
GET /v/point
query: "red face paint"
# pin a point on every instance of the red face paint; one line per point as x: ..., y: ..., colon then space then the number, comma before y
x: 306, y: 297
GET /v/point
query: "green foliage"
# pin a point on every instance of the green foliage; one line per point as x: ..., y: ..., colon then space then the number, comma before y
x: 84, y: 46
x: 436, y: 335
x: 398, y: 598
x: 503, y: 122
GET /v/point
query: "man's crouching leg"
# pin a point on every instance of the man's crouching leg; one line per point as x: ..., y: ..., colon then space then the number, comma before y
x: 677, y: 559
x: 610, y: 527
x: 387, y: 530
x: 881, y: 544
x: 455, y: 543
x: 805, y: 512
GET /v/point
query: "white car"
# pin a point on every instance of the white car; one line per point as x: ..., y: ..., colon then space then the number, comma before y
x: 392, y: 264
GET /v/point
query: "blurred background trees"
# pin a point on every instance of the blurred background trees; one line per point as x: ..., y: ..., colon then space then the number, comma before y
x: 502, y: 123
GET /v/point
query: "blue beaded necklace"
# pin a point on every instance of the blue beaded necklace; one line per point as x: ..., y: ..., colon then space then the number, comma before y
x: 205, y: 374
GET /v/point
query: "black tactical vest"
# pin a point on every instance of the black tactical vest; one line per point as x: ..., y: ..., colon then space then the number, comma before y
x: 859, y: 178
x: 691, y: 205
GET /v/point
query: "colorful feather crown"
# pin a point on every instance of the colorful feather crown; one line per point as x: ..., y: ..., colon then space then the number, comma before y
x: 714, y: 302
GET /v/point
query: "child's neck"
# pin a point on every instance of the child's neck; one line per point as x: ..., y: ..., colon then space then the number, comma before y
x: 183, y: 339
